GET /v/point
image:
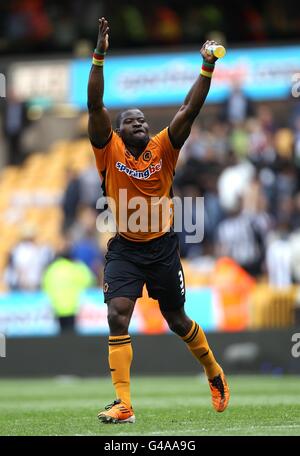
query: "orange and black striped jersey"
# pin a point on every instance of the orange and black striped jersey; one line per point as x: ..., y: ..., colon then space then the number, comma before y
x: 149, y: 176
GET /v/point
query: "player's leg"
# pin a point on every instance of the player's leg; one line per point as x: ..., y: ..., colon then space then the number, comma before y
x: 165, y: 282
x: 123, y: 284
x: 194, y: 337
x: 120, y: 349
x: 120, y: 357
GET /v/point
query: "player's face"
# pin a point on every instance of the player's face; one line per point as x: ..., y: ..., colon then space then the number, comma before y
x: 134, y: 129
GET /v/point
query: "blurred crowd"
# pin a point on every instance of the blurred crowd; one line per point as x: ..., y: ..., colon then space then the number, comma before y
x: 244, y: 161
x: 43, y: 25
x: 246, y: 165
x: 80, y: 242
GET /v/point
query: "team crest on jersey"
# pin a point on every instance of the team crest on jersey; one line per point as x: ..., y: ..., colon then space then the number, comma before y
x: 105, y: 287
x: 147, y: 155
x: 153, y: 168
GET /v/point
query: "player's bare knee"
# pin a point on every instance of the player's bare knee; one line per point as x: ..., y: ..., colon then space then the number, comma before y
x: 118, y: 321
x: 119, y: 314
x: 178, y: 325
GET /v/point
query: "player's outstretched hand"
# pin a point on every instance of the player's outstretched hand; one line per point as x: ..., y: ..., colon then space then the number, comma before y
x: 208, y: 57
x: 102, y: 42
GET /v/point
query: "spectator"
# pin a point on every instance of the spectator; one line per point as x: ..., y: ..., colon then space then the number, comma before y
x: 85, y: 246
x: 297, y: 140
x: 90, y: 186
x: 295, y: 255
x: 133, y: 22
x: 233, y: 183
x: 85, y: 221
x: 36, y: 24
x: 239, y: 236
x: 198, y: 145
x: 189, y: 220
x: 279, y: 255
x: 237, y: 106
x: 88, y: 252
x: 64, y: 281
x: 27, y: 262
x: 15, y: 120
x: 71, y: 198
x: 166, y: 25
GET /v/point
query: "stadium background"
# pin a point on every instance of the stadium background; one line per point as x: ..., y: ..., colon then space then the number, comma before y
x: 243, y: 156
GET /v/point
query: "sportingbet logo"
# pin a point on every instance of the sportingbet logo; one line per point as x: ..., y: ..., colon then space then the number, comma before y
x: 2, y: 346
x: 139, y: 174
x: 2, y: 86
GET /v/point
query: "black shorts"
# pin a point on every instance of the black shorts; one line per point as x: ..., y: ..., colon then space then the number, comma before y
x: 130, y: 265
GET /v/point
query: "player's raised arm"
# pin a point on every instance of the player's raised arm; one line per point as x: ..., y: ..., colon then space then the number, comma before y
x: 180, y: 126
x: 99, y: 121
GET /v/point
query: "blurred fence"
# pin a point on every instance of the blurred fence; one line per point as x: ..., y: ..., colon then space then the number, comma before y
x: 273, y: 308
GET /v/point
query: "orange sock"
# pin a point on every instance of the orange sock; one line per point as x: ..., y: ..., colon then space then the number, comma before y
x: 120, y: 357
x: 198, y: 345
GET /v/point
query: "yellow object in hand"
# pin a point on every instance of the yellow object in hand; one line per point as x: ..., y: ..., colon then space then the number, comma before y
x: 217, y: 50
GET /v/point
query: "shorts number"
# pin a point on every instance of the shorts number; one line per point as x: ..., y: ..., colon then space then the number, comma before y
x: 181, y: 281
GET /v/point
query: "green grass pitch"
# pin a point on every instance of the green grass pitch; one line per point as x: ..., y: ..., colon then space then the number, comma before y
x: 164, y: 406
